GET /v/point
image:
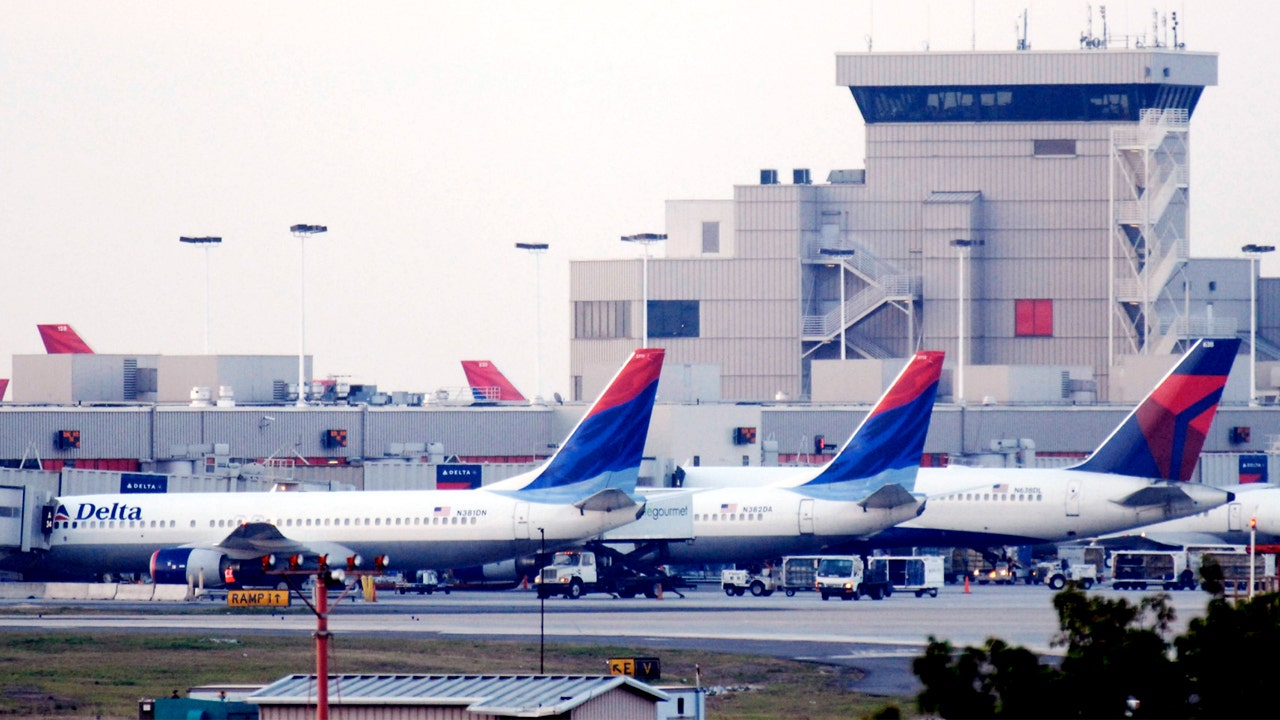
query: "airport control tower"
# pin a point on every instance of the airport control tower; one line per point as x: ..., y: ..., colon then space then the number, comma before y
x: 1058, y: 181
x: 1021, y: 208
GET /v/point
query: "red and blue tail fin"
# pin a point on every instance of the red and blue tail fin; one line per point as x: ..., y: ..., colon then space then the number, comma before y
x: 62, y: 340
x: 605, y: 449
x: 1162, y: 438
x: 886, y: 447
x: 488, y: 384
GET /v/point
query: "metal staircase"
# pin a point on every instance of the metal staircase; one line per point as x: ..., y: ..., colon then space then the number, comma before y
x: 885, y: 284
x: 1148, y: 227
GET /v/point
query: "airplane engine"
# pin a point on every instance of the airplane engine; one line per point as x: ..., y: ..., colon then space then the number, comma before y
x: 183, y: 566
x: 499, y: 575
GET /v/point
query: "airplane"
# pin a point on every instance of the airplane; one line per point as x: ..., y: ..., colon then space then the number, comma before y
x: 488, y: 384
x: 865, y: 488
x: 1139, y: 475
x: 4, y: 386
x: 60, y: 339
x: 1252, y: 516
x: 215, y: 539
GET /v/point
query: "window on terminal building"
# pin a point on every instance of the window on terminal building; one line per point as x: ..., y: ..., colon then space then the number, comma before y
x: 1055, y: 148
x: 1033, y: 318
x: 710, y: 237
x: 673, y: 318
x: 601, y: 319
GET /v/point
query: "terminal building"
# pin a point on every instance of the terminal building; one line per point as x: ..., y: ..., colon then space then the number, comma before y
x: 1022, y: 211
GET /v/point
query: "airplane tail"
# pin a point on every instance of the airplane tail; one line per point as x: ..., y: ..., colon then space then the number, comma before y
x: 1162, y: 438
x: 62, y: 340
x: 488, y: 384
x: 4, y: 386
x: 600, y: 460
x: 886, y: 448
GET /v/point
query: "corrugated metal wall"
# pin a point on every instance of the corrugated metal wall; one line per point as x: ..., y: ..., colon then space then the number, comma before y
x: 104, y: 432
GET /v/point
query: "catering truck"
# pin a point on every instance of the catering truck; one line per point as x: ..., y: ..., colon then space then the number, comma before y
x: 849, y: 578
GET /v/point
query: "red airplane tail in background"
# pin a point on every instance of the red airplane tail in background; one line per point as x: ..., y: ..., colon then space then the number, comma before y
x: 4, y: 386
x: 488, y: 384
x: 62, y: 340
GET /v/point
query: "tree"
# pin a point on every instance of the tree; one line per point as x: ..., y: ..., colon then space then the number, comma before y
x: 1117, y: 664
x: 1223, y: 656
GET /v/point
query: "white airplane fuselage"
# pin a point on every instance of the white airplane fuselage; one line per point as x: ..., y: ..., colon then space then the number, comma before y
x: 756, y: 523
x: 417, y: 529
x: 1023, y: 506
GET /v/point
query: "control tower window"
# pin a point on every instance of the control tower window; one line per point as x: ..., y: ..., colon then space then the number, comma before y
x: 1018, y: 103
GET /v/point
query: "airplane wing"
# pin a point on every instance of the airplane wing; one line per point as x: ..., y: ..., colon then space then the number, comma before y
x: 255, y: 540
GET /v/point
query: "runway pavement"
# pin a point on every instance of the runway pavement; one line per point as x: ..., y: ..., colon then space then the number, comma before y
x: 879, y: 637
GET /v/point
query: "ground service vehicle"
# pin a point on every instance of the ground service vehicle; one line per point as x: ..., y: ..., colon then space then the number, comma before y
x: 920, y: 574
x: 1001, y: 572
x: 960, y: 564
x: 1081, y: 564
x: 798, y: 573
x: 573, y: 573
x: 1136, y: 569
x: 738, y: 582
x: 1057, y: 573
x: 425, y: 582
x: 849, y: 578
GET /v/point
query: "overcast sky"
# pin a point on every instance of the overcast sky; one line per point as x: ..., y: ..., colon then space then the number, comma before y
x: 430, y: 137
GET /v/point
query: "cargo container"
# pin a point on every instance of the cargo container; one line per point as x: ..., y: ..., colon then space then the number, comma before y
x: 919, y: 574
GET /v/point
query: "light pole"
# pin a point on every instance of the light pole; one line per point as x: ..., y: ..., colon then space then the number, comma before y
x: 842, y: 254
x: 302, y: 232
x: 208, y: 243
x: 962, y: 251
x: 1254, y: 252
x: 536, y: 249
x: 645, y: 239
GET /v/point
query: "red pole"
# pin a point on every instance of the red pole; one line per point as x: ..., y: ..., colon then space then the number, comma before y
x: 322, y: 647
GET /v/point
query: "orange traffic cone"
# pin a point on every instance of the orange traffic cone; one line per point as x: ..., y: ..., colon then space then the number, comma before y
x: 966, y: 583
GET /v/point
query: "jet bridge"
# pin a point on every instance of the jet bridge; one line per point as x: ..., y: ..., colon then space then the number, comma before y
x: 26, y: 516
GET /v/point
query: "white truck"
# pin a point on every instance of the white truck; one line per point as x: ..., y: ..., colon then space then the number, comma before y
x: 849, y: 578
x: 738, y: 582
x: 919, y: 574
x: 574, y: 573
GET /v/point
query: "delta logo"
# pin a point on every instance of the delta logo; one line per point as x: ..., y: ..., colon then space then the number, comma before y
x: 61, y: 515
x: 92, y: 511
